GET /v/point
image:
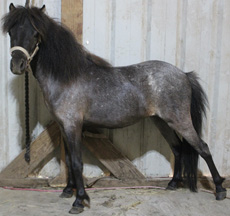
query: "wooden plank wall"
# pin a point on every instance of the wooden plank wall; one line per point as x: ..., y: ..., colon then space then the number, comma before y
x: 192, y: 35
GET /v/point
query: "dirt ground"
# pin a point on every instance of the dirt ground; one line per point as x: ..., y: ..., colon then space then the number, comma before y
x: 120, y: 202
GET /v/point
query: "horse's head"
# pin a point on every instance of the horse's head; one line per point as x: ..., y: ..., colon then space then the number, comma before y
x: 24, y: 38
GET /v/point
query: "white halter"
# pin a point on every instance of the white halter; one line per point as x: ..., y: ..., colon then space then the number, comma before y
x: 28, y: 56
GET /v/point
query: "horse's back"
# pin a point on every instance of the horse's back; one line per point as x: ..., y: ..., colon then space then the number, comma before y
x: 122, y: 95
x: 157, y: 76
x: 153, y: 68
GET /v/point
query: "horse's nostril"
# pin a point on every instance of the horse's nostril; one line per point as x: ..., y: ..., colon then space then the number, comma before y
x: 22, y: 65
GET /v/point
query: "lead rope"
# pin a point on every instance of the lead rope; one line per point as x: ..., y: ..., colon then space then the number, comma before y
x: 27, y: 115
x: 28, y: 70
x: 27, y: 106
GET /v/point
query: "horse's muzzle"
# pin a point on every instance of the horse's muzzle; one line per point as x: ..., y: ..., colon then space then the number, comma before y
x: 18, y: 65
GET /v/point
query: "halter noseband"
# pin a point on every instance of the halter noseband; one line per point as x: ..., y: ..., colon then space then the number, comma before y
x: 28, y: 56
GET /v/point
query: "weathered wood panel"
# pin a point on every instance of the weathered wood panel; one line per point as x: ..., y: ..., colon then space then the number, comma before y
x: 202, y: 183
x: 112, y: 159
x: 71, y: 11
x: 24, y: 182
x: 44, y: 145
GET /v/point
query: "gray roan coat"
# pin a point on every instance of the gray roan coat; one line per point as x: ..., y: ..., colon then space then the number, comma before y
x: 83, y: 90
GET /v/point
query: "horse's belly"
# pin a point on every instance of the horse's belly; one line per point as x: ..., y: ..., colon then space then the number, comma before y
x: 110, y: 122
x: 116, y: 117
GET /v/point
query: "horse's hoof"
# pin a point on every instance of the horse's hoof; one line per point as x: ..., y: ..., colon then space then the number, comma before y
x: 76, y: 210
x: 221, y: 195
x: 169, y: 187
x: 66, y: 195
x: 172, y: 185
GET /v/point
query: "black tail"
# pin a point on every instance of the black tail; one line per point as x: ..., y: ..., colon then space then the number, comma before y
x: 189, y: 157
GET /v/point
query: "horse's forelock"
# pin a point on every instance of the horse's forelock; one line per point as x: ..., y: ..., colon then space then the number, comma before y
x: 13, y: 17
x: 19, y: 14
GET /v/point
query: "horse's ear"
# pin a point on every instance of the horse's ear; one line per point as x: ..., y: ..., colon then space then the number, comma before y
x: 43, y: 8
x: 12, y: 7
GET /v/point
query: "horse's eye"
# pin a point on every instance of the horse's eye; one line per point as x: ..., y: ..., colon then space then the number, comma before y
x: 9, y: 33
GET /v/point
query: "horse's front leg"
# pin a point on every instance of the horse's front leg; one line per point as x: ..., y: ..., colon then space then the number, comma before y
x: 72, y: 135
x: 68, y: 190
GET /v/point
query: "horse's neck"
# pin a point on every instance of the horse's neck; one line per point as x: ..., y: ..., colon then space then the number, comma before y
x: 50, y: 87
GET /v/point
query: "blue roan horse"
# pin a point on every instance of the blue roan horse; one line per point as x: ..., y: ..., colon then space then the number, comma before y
x: 82, y: 90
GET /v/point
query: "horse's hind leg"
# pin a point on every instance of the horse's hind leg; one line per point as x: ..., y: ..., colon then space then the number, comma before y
x: 176, y: 145
x: 68, y: 190
x: 185, y: 128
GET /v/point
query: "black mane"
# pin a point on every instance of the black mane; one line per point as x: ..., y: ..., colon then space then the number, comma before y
x: 60, y: 54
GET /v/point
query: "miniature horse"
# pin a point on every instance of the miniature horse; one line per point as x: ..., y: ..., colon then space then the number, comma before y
x: 82, y: 90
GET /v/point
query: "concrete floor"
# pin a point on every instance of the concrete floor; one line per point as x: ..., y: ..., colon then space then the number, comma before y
x: 129, y: 202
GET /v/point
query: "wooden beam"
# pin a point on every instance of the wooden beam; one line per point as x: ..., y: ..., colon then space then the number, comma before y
x: 61, y: 178
x: 24, y: 183
x: 120, y: 166
x: 203, y: 183
x: 113, y: 182
x: 44, y: 145
x: 51, y: 138
x: 103, y: 182
x: 72, y: 16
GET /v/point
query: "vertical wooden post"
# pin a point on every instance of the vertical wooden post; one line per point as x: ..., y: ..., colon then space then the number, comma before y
x: 72, y: 16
